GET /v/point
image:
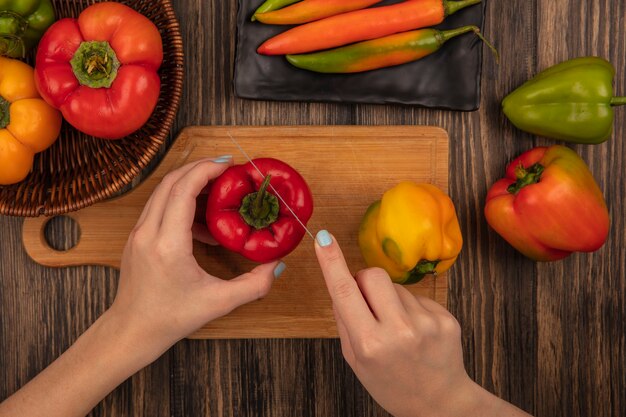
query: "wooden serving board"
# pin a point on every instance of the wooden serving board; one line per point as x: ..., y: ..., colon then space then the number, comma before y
x: 347, y: 168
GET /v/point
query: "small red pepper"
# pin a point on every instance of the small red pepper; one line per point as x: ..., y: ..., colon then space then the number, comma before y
x: 245, y: 216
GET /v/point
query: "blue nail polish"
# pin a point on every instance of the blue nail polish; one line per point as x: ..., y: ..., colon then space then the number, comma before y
x: 323, y: 238
x: 280, y: 268
x: 223, y: 159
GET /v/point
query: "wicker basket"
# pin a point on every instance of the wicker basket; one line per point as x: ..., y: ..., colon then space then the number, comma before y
x: 79, y: 170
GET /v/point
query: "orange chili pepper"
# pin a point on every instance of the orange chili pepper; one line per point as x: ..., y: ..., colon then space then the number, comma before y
x: 311, y: 10
x: 361, y: 25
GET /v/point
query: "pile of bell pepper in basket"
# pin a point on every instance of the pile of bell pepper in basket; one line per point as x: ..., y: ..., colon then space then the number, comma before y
x: 344, y: 36
x: 99, y: 72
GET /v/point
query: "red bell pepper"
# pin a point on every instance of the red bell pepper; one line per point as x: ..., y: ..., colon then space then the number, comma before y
x: 100, y: 70
x: 549, y: 205
x: 244, y: 215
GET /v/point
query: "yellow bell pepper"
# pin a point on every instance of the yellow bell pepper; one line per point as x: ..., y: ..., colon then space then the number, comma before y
x: 411, y: 232
x: 28, y: 125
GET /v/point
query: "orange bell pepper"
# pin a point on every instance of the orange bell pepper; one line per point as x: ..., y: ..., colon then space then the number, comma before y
x: 411, y: 232
x: 28, y: 125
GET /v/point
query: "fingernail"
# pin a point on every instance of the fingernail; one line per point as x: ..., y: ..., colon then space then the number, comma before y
x: 280, y: 268
x: 223, y: 159
x: 323, y: 238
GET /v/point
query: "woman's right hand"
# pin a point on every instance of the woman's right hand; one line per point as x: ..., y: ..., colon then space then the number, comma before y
x: 405, y: 350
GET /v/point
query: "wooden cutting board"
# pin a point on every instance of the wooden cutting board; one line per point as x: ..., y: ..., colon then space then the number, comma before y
x: 347, y: 168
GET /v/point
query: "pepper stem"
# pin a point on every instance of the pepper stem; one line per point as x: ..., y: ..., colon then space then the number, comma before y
x: 525, y: 176
x: 423, y: 268
x: 95, y: 64
x: 9, y: 44
x: 451, y: 7
x: 446, y: 35
x: 260, y: 209
x: 618, y: 101
x: 5, y: 113
x: 12, y: 27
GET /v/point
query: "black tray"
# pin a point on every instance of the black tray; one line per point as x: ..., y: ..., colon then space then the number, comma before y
x: 448, y: 79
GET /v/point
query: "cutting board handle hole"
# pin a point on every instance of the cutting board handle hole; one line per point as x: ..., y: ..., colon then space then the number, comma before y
x: 62, y: 233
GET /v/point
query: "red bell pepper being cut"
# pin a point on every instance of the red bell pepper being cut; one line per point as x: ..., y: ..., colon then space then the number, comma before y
x: 548, y: 205
x: 361, y: 25
x: 100, y: 70
x: 245, y: 216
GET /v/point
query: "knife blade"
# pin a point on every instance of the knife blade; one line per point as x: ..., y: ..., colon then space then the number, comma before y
x: 245, y: 154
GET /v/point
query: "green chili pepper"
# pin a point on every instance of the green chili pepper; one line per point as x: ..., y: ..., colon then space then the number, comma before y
x: 379, y: 53
x: 572, y: 101
x: 22, y: 24
x: 270, y: 6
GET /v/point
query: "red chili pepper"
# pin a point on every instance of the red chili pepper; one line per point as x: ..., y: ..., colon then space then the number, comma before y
x: 311, y: 10
x: 244, y: 215
x: 100, y: 70
x: 361, y: 25
x: 548, y: 205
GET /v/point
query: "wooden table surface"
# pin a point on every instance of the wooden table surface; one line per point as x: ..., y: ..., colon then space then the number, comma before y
x: 551, y: 338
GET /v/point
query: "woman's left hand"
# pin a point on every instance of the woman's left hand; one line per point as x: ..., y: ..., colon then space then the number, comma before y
x: 163, y: 293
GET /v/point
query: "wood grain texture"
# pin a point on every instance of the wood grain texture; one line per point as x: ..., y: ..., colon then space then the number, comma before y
x: 343, y: 188
x: 551, y: 338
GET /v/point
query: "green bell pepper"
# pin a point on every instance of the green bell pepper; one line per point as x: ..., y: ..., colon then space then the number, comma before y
x: 22, y: 24
x: 572, y: 101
